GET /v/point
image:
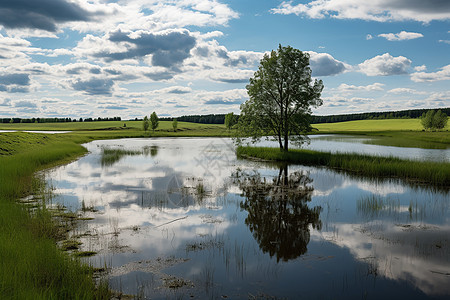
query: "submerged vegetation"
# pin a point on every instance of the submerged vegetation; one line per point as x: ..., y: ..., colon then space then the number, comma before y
x: 435, y: 173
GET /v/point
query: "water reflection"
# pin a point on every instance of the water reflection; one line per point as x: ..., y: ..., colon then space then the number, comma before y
x: 177, y: 208
x: 278, y: 213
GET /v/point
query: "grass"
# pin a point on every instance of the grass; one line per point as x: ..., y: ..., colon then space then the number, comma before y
x: 434, y: 173
x: 117, y: 128
x: 31, y: 264
x: 391, y: 132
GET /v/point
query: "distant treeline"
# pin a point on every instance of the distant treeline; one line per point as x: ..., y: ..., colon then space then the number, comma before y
x: 220, y: 118
x: 56, y: 120
x: 403, y: 114
x: 204, y: 119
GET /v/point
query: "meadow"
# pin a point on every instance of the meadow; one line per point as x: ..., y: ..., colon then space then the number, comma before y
x: 31, y: 264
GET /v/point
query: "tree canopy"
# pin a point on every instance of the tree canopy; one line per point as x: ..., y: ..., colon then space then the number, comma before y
x: 434, y: 120
x: 281, y: 95
x: 145, y: 123
x: 154, y: 121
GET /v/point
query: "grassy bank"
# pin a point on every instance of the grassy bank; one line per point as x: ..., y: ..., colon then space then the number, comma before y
x: 31, y: 265
x: 434, y: 173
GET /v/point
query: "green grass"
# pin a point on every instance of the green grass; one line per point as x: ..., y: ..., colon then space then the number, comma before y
x: 391, y: 132
x: 117, y: 128
x: 434, y: 173
x: 31, y: 264
x: 371, y: 125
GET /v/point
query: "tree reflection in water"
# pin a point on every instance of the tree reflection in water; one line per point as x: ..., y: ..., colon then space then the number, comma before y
x: 278, y: 214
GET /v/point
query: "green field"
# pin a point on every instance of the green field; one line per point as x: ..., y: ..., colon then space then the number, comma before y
x: 371, y: 125
x: 131, y: 126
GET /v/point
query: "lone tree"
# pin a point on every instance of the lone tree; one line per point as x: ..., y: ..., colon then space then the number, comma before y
x: 281, y: 96
x: 434, y: 120
x: 154, y: 121
x: 175, y: 124
x: 230, y: 120
x: 146, y: 124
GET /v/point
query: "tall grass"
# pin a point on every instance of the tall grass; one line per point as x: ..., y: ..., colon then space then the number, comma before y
x: 435, y: 173
x: 31, y: 265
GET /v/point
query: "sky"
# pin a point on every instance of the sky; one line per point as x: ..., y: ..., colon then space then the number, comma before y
x: 128, y: 58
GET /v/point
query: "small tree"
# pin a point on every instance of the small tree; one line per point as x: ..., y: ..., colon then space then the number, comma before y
x: 145, y: 124
x: 427, y: 119
x: 440, y: 120
x: 230, y: 120
x: 434, y: 120
x: 175, y: 124
x: 281, y: 95
x: 154, y: 121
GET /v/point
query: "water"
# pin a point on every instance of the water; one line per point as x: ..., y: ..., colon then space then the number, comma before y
x: 182, y: 217
x: 356, y: 144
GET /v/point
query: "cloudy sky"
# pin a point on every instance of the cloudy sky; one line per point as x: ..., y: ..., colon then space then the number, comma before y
x: 90, y: 58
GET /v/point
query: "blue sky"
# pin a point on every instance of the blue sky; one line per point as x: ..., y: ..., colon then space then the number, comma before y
x: 128, y: 58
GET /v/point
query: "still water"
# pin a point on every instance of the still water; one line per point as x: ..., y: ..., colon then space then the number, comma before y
x: 184, y: 218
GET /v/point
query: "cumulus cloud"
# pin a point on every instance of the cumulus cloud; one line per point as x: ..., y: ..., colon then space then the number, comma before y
x: 230, y: 97
x: 94, y: 86
x: 369, y: 37
x: 25, y: 104
x: 15, y: 83
x: 375, y: 10
x: 323, y: 64
x: 385, y: 65
x: 167, y: 48
x: 443, y: 74
x: 420, y: 68
x: 42, y: 14
x: 401, y: 36
x: 237, y: 76
x: 5, y: 102
x: 405, y: 91
x: 345, y: 88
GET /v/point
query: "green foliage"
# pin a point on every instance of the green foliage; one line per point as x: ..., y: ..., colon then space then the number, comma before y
x: 230, y: 120
x: 175, y: 124
x: 281, y: 96
x: 154, y: 121
x: 432, y: 120
x: 435, y: 173
x: 31, y: 265
x: 146, y: 123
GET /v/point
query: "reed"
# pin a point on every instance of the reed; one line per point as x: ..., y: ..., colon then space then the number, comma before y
x: 434, y: 173
x: 31, y: 264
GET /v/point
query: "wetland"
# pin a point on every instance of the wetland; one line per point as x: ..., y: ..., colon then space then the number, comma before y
x: 185, y: 218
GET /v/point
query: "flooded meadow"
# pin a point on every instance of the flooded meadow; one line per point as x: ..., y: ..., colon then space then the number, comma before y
x: 183, y: 218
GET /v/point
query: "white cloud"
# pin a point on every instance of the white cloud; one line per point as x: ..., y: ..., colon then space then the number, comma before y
x: 406, y: 91
x: 374, y: 10
x: 385, y: 65
x: 444, y: 41
x: 345, y: 88
x: 369, y: 37
x: 420, y: 68
x: 323, y: 64
x: 401, y: 36
x: 443, y: 74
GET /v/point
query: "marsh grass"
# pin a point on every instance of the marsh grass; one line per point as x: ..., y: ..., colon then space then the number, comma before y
x: 375, y: 205
x: 110, y: 156
x: 434, y: 173
x: 31, y: 264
